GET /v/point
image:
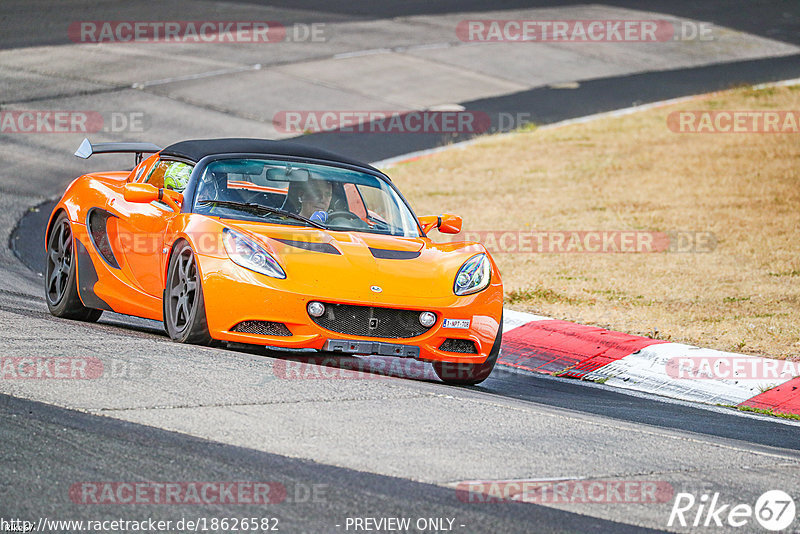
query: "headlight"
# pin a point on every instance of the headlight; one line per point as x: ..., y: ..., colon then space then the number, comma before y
x: 474, y: 275
x: 250, y: 255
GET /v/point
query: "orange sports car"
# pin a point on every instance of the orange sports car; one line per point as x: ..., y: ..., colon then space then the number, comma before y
x: 276, y: 244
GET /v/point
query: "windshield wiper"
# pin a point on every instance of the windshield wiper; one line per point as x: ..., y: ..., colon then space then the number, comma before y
x: 258, y: 209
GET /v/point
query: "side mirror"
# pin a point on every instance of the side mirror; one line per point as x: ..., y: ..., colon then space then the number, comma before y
x: 146, y: 193
x: 143, y: 193
x: 446, y: 223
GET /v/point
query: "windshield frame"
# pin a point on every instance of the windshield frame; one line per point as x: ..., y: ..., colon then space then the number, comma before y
x: 190, y: 193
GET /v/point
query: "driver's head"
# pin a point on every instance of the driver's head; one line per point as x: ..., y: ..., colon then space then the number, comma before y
x: 315, y: 196
x: 177, y: 176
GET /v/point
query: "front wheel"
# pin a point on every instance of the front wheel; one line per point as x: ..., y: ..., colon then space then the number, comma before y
x: 184, y: 306
x: 60, y: 275
x: 469, y: 374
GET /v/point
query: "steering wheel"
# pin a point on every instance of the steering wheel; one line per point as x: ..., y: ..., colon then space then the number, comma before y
x: 211, y: 189
x: 347, y: 215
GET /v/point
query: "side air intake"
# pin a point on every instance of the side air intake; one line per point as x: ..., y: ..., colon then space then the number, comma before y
x: 262, y: 328
x: 461, y: 346
x: 97, y: 222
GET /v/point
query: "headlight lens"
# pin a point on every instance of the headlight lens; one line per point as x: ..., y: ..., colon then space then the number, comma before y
x: 250, y: 255
x: 474, y: 275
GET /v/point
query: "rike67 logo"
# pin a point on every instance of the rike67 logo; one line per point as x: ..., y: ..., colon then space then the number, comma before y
x: 774, y: 510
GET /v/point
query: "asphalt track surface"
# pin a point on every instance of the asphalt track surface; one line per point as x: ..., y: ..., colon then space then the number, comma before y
x: 48, y: 448
x: 318, y: 497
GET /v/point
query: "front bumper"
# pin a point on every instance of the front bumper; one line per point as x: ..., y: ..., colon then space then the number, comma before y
x: 233, y: 294
x: 378, y: 348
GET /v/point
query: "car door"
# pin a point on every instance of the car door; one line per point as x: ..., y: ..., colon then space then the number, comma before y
x: 141, y: 230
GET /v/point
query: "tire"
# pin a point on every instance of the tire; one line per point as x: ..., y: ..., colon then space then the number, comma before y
x: 60, y: 275
x: 184, y: 305
x: 469, y: 374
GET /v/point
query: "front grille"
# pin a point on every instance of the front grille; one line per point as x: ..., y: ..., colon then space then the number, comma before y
x: 370, y: 321
x: 262, y: 328
x: 463, y: 346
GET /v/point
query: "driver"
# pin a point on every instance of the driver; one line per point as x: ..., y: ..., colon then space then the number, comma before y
x: 314, y: 199
x: 177, y: 176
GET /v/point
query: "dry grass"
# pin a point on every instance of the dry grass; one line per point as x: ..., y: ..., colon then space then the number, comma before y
x: 633, y: 173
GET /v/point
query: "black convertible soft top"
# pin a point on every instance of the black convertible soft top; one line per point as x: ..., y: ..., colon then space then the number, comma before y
x: 198, y: 149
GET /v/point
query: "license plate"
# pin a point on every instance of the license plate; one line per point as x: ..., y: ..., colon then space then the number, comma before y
x: 455, y: 323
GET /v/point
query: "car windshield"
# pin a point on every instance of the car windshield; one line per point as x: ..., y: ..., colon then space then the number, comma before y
x: 303, y: 194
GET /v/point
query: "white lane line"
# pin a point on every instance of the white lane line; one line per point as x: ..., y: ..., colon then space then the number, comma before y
x: 359, y: 53
x: 429, y: 46
x: 394, y: 49
x: 197, y: 76
x: 784, y: 83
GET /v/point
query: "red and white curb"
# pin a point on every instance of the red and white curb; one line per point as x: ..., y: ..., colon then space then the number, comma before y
x: 544, y: 345
x: 560, y: 348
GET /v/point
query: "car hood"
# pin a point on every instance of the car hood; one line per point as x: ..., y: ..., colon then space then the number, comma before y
x: 352, y: 265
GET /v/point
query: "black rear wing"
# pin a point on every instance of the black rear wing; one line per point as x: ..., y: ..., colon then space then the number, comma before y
x: 87, y: 149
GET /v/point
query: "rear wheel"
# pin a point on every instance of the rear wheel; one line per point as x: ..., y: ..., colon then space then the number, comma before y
x: 469, y: 374
x: 60, y: 275
x: 184, y: 306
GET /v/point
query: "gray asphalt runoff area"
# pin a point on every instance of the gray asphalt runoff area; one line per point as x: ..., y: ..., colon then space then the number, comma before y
x: 401, y: 453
